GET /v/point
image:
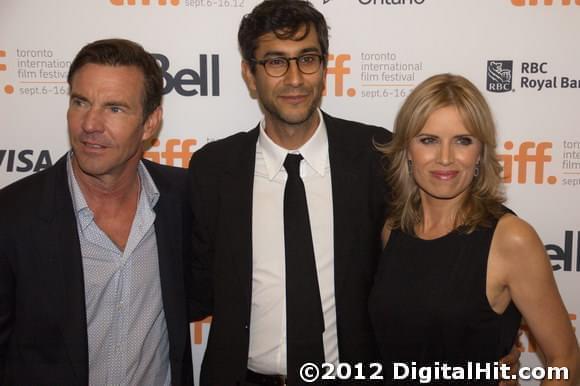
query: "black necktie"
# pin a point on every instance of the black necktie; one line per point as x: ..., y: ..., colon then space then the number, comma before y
x: 304, y: 318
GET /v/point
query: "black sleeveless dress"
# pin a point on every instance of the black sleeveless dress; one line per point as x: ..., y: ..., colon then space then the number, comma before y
x: 428, y: 304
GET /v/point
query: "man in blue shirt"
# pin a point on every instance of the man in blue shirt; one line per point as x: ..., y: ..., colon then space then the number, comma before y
x: 94, y: 251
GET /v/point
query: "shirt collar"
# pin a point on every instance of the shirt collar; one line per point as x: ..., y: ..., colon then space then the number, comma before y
x: 148, y: 187
x: 85, y: 214
x: 314, y: 151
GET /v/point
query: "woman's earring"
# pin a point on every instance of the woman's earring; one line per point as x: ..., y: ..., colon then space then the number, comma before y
x: 410, y: 166
x: 476, y: 170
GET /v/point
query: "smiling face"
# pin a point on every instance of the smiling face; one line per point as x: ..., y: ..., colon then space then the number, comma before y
x: 444, y: 155
x: 105, y: 120
x: 292, y: 99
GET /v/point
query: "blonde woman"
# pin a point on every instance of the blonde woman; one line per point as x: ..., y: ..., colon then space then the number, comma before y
x: 459, y: 269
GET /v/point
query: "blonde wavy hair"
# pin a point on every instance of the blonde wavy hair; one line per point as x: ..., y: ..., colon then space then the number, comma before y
x: 483, y: 203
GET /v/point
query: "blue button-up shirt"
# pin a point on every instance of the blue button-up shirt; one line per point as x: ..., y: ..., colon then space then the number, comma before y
x: 127, y: 332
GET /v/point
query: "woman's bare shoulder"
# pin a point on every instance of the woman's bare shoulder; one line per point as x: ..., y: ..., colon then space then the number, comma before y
x: 515, y: 238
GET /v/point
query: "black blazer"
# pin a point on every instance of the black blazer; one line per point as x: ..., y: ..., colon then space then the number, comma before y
x: 43, y: 327
x: 221, y: 182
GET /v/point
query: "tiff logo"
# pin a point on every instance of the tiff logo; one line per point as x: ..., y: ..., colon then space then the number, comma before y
x: 198, y: 328
x: 143, y: 2
x: 175, y: 150
x: 337, y: 70
x: 528, y: 154
x: 8, y: 89
x: 2, y: 65
x: 523, y: 3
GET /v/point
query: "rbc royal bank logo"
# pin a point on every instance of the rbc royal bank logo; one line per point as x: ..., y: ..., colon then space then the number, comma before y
x: 499, y: 75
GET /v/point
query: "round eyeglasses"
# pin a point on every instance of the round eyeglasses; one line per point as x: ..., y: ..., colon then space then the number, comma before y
x: 278, y: 66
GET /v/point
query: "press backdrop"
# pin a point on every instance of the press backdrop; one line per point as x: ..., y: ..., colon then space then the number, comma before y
x: 523, y: 54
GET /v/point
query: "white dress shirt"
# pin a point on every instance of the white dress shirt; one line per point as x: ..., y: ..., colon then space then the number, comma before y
x: 267, y: 351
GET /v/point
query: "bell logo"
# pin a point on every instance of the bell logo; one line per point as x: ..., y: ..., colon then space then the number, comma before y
x: 188, y: 82
x: 143, y: 2
x: 338, y: 70
x: 528, y: 153
x: 523, y: 3
x: 562, y: 258
x: 170, y: 154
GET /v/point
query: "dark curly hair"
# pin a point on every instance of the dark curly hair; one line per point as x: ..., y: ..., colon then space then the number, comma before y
x: 284, y: 18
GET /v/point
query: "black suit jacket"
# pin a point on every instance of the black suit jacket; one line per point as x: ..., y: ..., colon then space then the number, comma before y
x: 43, y: 327
x: 221, y: 181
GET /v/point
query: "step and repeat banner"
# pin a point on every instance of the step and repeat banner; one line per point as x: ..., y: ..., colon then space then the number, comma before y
x: 522, y: 54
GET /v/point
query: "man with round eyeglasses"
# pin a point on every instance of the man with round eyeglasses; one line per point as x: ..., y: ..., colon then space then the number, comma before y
x: 287, y: 288
x: 288, y: 216
x: 278, y: 66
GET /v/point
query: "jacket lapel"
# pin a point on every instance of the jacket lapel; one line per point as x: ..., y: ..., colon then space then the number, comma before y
x: 168, y: 232
x: 237, y: 196
x: 63, y: 251
x: 343, y: 176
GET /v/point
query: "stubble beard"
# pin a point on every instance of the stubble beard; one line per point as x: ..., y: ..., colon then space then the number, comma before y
x: 288, y: 119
